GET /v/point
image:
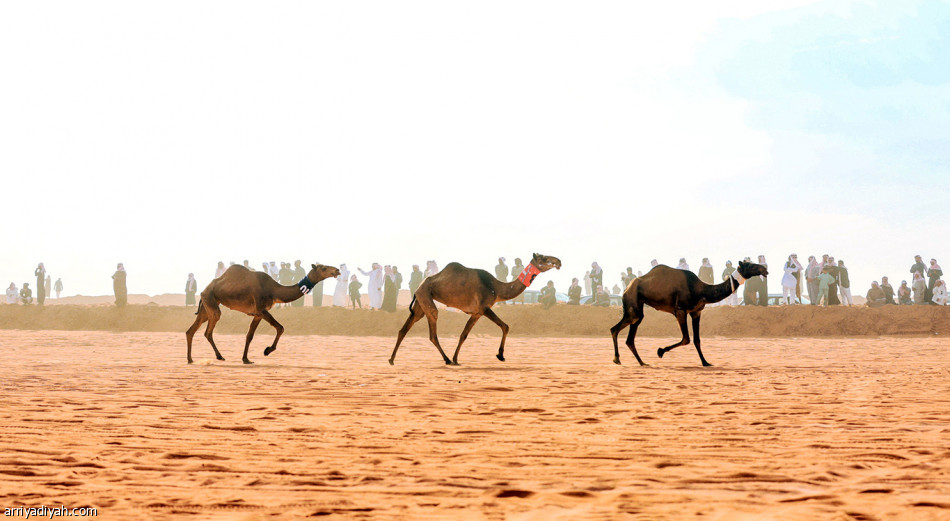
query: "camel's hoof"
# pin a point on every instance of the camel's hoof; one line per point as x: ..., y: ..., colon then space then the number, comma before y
x: 190, y: 361
x: 219, y: 357
x: 246, y: 361
x: 659, y: 352
x: 269, y: 350
x: 500, y: 357
x: 707, y: 364
x: 448, y: 362
x: 391, y: 362
x: 617, y: 361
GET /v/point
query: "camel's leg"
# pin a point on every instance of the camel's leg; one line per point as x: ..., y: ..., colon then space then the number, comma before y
x: 433, y: 316
x: 190, y: 334
x: 250, y: 335
x: 504, y: 332
x: 414, y: 317
x: 280, y: 331
x: 633, y: 333
x: 614, y: 331
x: 214, y: 314
x: 696, y: 316
x: 681, y: 318
x: 468, y: 327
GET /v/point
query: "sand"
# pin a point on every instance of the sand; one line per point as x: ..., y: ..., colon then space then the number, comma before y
x: 802, y: 429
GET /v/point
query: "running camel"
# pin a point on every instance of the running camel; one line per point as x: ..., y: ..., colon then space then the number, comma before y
x: 254, y: 293
x: 679, y: 292
x: 472, y: 291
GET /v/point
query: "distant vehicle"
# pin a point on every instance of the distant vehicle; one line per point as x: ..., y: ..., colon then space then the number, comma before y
x: 777, y: 299
x: 615, y: 300
x: 531, y: 296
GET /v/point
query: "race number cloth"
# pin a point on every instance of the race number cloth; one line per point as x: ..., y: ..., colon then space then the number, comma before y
x: 305, y: 285
x: 527, y: 276
x: 738, y: 278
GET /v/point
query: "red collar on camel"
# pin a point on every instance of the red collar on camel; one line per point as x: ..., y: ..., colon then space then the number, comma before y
x: 527, y: 276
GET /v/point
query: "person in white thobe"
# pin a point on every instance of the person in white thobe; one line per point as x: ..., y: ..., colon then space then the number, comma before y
x: 683, y: 265
x: 789, y: 282
x: 12, y: 294
x: 342, y: 283
x: 375, y: 286
x: 219, y: 270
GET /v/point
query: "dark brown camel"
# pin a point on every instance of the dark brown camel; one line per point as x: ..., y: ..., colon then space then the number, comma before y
x: 472, y: 291
x: 678, y: 292
x: 254, y: 293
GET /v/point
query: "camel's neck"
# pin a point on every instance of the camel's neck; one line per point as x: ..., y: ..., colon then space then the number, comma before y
x: 713, y: 293
x: 510, y: 290
x: 288, y: 293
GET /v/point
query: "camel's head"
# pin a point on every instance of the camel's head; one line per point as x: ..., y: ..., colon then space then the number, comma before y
x: 545, y: 262
x: 320, y: 272
x: 749, y: 269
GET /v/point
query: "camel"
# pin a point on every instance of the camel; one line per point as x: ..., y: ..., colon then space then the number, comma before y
x: 470, y: 290
x: 254, y: 293
x: 678, y: 292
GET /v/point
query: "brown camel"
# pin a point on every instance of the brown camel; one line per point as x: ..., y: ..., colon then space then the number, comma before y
x: 254, y: 293
x: 472, y: 291
x: 678, y: 292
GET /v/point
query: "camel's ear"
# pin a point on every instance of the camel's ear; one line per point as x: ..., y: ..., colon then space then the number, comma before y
x: 314, y: 266
x: 534, y: 255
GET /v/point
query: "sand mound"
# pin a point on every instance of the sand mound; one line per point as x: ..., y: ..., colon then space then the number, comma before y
x: 529, y: 320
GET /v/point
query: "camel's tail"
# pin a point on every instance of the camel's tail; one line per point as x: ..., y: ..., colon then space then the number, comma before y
x: 199, y: 307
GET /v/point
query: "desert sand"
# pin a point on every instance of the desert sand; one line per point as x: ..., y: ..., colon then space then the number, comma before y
x: 780, y: 428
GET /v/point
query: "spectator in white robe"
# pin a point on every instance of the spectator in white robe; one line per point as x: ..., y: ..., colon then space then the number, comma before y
x: 12, y: 294
x: 374, y: 288
x: 940, y: 293
x: 220, y: 269
x: 342, y: 284
x: 789, y: 282
x: 683, y: 265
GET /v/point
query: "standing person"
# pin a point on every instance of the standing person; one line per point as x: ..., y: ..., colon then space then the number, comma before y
x: 548, y: 297
x: 299, y: 274
x: 431, y: 268
x: 789, y: 282
x: 888, y: 291
x: 40, y: 283
x: 940, y: 293
x: 389, y: 290
x: 683, y: 265
x: 354, y: 288
x: 824, y: 282
x: 374, y: 286
x: 501, y: 271
x: 515, y: 271
x: 844, y: 284
x: 265, y: 268
x: 220, y: 269
x: 920, y: 287
x: 191, y: 287
x: 587, y: 283
x: 616, y: 289
x: 733, y: 298
x: 415, y: 279
x: 119, y: 287
x: 798, y: 278
x: 706, y: 272
x: 764, y: 284
x: 918, y: 266
x: 58, y: 286
x: 628, y: 277
x: 903, y: 294
x: 833, y: 289
x: 317, y: 294
x: 285, y: 277
x: 340, y: 291
x: 273, y: 271
x: 574, y: 293
x: 48, y: 287
x: 749, y: 291
x: 811, y: 279
x: 933, y: 273
x: 596, y: 275
x: 247, y: 265
x: 26, y: 294
x: 12, y: 294
x: 397, y: 279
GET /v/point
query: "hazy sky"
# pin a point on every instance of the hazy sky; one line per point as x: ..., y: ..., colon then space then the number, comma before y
x: 171, y: 135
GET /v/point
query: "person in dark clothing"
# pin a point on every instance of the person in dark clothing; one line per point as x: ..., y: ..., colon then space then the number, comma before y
x: 601, y: 298
x: 933, y: 275
x: 844, y: 284
x: 548, y: 297
x: 833, y: 299
x: 574, y: 293
x: 354, y: 288
x: 596, y: 276
x: 397, y: 279
x: 628, y: 277
x: 26, y: 294
x: 191, y: 287
x: 41, y: 283
x: 415, y: 279
x: 389, y: 290
x: 119, y: 287
x: 918, y: 266
x: 298, y: 274
x: 515, y: 272
x: 888, y: 291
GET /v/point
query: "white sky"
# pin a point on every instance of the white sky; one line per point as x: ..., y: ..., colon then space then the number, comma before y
x: 169, y: 136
